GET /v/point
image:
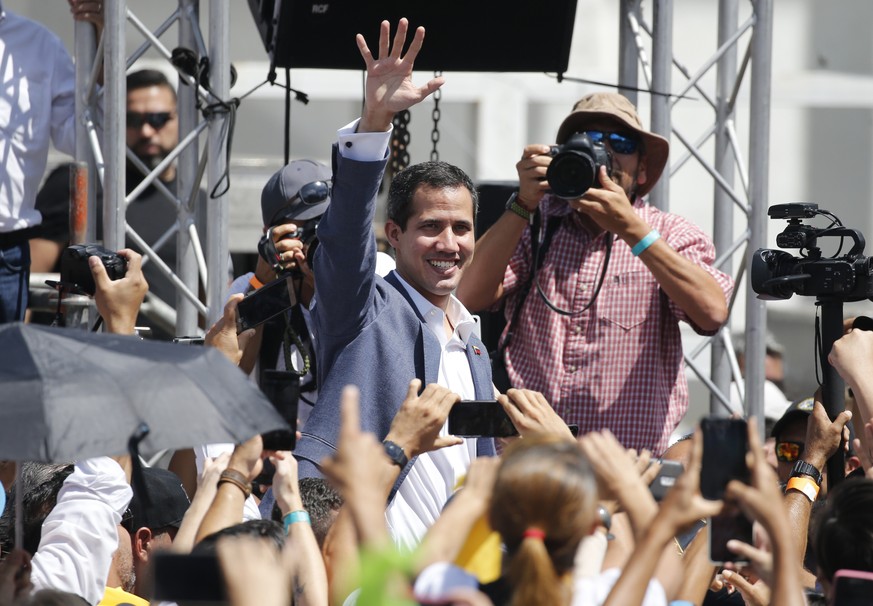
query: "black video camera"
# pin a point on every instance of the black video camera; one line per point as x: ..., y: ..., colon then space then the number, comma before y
x: 76, y: 274
x: 777, y: 274
x: 575, y: 166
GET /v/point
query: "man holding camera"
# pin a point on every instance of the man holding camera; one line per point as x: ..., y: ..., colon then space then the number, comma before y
x: 593, y: 324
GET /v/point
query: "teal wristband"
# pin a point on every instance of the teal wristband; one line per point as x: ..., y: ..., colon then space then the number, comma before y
x: 292, y: 517
x: 650, y: 238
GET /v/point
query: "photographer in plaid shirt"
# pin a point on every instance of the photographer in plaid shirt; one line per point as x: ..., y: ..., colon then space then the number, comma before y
x: 598, y: 328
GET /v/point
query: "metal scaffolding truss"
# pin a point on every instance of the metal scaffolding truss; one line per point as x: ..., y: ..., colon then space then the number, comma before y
x: 752, y: 40
x: 105, y: 156
x: 749, y: 41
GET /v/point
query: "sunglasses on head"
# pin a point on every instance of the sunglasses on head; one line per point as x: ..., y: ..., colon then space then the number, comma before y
x: 620, y: 144
x: 312, y: 193
x: 789, y: 452
x: 156, y: 120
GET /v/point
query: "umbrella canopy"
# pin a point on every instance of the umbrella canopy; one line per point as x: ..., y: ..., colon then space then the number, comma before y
x: 67, y: 394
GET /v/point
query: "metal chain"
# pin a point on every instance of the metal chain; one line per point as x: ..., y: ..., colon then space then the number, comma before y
x: 435, y: 133
x: 400, y: 142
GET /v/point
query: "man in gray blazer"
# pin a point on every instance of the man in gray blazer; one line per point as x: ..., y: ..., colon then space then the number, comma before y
x: 379, y: 334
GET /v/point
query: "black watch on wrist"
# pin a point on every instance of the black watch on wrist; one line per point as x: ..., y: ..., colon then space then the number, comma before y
x: 513, y: 206
x: 802, y: 468
x: 395, y: 453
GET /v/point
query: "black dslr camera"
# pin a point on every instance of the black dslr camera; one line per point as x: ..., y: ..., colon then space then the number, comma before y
x: 76, y: 274
x: 306, y: 234
x: 777, y: 274
x: 575, y: 166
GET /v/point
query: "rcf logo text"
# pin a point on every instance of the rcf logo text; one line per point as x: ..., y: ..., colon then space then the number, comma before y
x: 319, y: 9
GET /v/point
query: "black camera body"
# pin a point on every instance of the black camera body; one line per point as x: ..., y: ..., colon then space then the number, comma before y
x: 777, y: 274
x: 307, y: 235
x: 575, y: 166
x: 76, y: 274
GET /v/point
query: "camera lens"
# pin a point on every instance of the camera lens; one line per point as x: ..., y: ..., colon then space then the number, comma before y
x: 571, y: 174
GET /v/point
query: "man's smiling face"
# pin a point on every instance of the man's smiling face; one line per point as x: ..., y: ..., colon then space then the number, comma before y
x: 437, y: 242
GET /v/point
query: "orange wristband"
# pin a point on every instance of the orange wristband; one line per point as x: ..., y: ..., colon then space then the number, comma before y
x: 805, y: 485
x: 255, y: 283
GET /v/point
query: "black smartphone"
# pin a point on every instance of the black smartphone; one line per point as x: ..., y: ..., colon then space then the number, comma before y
x: 282, y: 388
x: 267, y: 302
x: 725, y: 443
x: 666, y: 478
x: 187, y: 578
x: 480, y: 418
x: 853, y: 588
x: 731, y: 524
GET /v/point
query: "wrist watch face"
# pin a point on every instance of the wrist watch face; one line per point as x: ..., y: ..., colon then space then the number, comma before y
x: 396, y: 454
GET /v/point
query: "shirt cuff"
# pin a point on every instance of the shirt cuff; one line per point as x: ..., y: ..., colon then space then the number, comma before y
x: 363, y: 147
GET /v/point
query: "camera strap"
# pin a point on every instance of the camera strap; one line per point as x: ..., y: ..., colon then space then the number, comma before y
x: 609, y: 237
x: 537, y: 255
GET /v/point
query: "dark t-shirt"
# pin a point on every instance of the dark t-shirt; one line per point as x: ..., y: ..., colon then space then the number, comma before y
x: 150, y: 216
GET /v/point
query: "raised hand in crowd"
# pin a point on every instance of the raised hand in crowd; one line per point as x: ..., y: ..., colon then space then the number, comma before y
x: 234, y: 487
x: 389, y: 86
x: 823, y: 438
x: 223, y: 336
x: 619, y: 474
x: 532, y: 414
x: 118, y: 301
x: 761, y: 500
x: 850, y: 356
x: 682, y: 507
x: 301, y: 555
x: 363, y: 475
x: 416, y: 426
x: 207, y: 487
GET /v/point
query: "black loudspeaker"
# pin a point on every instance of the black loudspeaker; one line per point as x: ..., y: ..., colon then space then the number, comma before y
x: 462, y: 35
x: 492, y: 202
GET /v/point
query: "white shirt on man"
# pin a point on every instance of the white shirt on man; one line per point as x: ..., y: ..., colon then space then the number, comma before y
x: 435, y: 475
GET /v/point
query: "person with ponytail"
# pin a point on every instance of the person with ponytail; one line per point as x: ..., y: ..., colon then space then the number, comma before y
x: 543, y: 504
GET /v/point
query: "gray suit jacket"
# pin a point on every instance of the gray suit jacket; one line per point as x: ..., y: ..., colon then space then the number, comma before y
x: 370, y: 333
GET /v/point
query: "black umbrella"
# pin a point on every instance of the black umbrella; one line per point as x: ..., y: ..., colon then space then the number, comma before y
x: 67, y: 394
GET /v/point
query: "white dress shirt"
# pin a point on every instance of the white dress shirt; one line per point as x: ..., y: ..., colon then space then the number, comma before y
x: 435, y: 475
x: 37, y: 105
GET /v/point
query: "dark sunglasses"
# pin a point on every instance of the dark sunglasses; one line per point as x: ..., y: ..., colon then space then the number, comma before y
x: 789, y: 452
x: 312, y: 193
x: 620, y: 144
x: 156, y: 120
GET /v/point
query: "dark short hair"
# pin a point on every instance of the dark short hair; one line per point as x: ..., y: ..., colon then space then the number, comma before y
x: 41, y: 483
x: 146, y: 78
x: 263, y: 529
x: 320, y: 500
x: 433, y: 173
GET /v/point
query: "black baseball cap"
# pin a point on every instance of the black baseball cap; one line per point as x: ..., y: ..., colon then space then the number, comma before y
x: 298, y: 191
x: 167, y: 501
x: 801, y: 409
